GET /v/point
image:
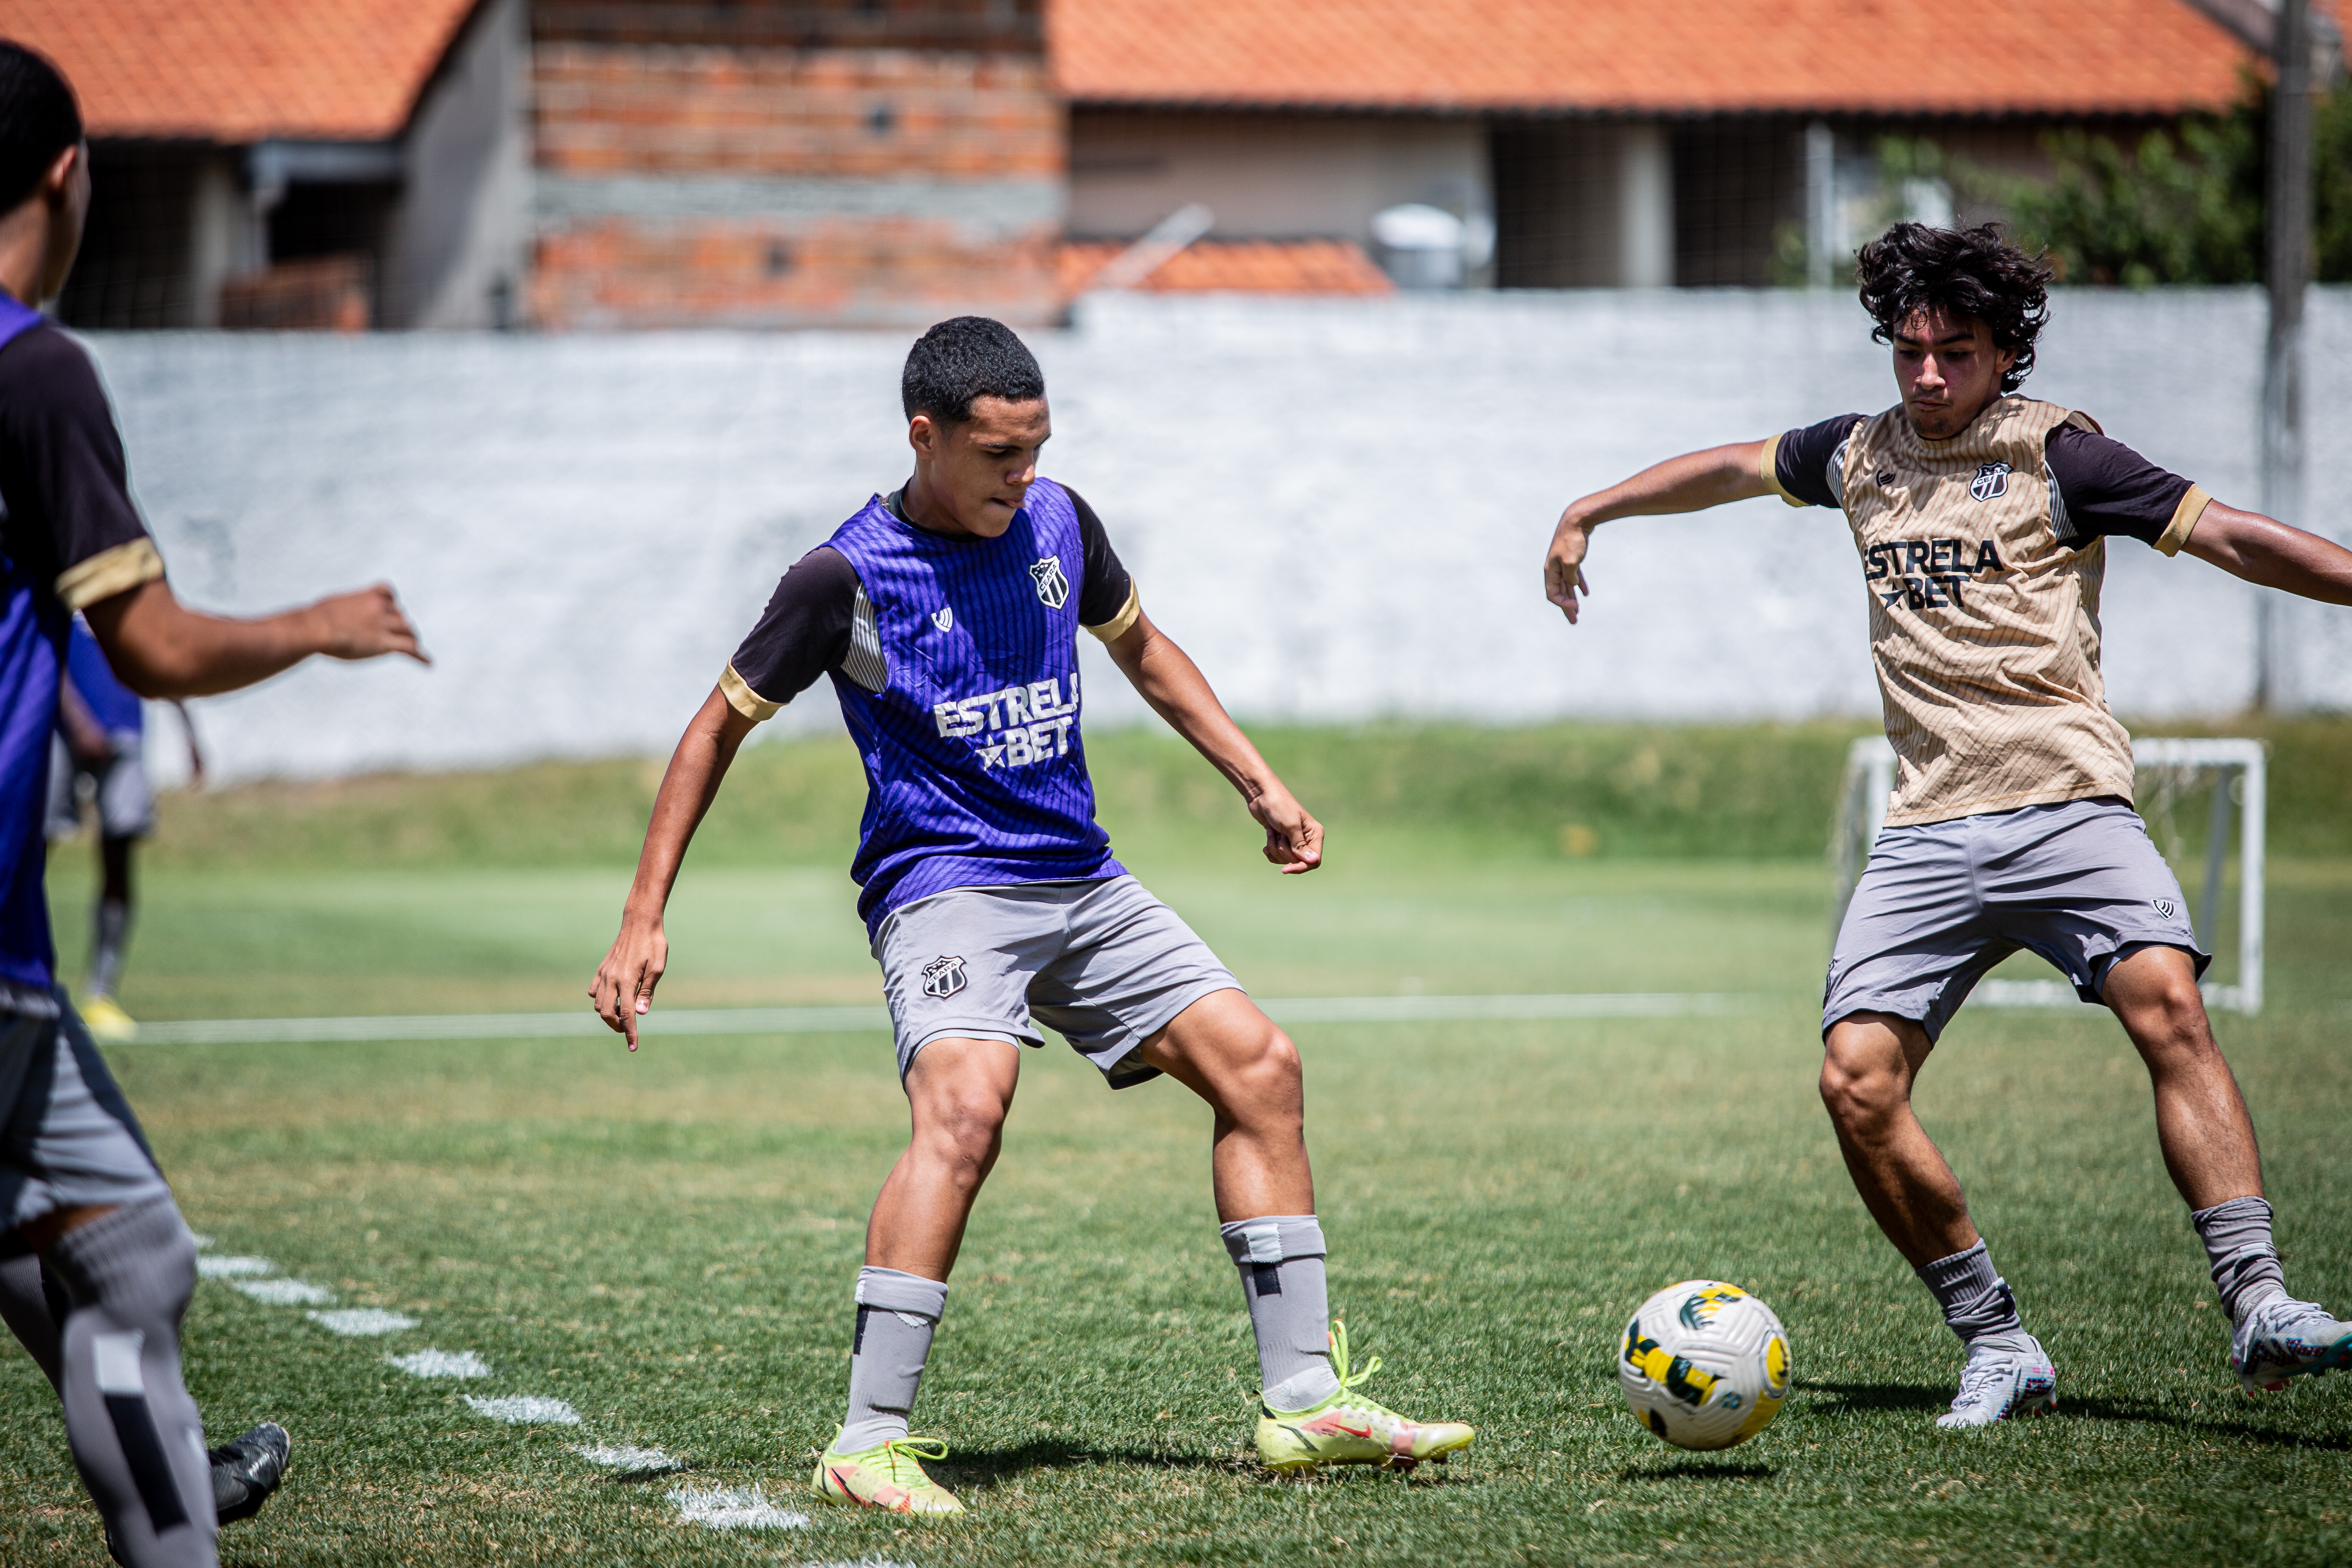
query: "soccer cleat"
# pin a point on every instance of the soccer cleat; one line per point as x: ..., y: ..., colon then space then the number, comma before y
x: 2285, y: 1338
x: 1347, y: 1430
x: 104, y: 1019
x: 2007, y: 1375
x: 246, y: 1470
x: 886, y: 1476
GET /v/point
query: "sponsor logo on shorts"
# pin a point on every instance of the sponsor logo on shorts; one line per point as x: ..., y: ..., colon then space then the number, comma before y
x: 1992, y: 481
x: 943, y: 976
x: 1926, y: 573
x: 2164, y: 908
x: 1053, y: 588
x: 1015, y: 726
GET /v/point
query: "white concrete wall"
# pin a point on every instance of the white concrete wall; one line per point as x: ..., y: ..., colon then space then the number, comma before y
x: 1339, y: 507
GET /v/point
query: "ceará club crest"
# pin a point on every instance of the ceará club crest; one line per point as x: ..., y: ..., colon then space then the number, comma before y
x: 1992, y: 481
x: 1053, y: 588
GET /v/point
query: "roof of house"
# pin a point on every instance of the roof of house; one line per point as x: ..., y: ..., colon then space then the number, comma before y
x: 242, y: 70
x: 1236, y: 266
x: 1670, y: 56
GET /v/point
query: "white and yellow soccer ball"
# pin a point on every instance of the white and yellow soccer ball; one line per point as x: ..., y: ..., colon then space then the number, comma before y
x: 1703, y: 1364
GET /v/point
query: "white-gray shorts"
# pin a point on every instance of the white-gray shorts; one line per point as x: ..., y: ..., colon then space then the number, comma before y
x: 125, y: 800
x: 66, y: 1135
x: 1104, y: 963
x: 1939, y: 904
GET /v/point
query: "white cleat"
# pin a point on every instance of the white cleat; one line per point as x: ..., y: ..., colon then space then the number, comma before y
x: 2285, y: 1338
x: 2007, y: 1375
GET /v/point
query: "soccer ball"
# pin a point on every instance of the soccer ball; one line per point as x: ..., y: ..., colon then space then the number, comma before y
x: 1703, y: 1364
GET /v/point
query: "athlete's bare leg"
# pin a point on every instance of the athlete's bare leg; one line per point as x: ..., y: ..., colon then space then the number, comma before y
x: 2200, y: 1118
x: 1231, y: 1055
x: 959, y: 1091
x: 1868, y: 1065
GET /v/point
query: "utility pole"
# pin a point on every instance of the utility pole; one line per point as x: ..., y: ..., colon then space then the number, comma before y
x: 2286, y: 273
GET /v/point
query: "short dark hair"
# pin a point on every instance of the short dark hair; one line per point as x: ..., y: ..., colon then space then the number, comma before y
x: 1968, y: 272
x: 966, y: 358
x: 39, y: 120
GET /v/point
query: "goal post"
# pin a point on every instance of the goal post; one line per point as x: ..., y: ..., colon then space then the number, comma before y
x: 2233, y: 776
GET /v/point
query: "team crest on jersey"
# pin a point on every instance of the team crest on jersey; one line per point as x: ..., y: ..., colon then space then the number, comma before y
x: 943, y: 976
x: 943, y: 617
x: 1992, y: 481
x: 1053, y: 588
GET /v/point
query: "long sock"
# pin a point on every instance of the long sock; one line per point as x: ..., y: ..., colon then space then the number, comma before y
x: 31, y: 1316
x: 111, y: 931
x: 897, y: 1315
x: 136, y: 1437
x: 1281, y: 1261
x: 2245, y: 1263
x: 1976, y: 1300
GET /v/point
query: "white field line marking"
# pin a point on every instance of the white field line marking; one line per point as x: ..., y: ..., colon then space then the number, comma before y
x: 356, y: 1322
x: 637, y: 1461
x: 285, y: 1292
x: 233, y: 1267
x: 524, y: 1409
x: 441, y: 1363
x: 201, y: 1241
x: 734, y: 1508
x: 858, y: 1020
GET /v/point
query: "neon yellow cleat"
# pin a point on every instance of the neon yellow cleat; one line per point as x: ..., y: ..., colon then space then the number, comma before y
x: 1347, y: 1430
x: 885, y: 1477
x: 106, y: 1020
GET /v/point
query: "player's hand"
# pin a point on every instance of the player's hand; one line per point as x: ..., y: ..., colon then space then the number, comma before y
x: 622, y: 990
x: 1564, y: 566
x: 1293, y: 840
x: 367, y: 624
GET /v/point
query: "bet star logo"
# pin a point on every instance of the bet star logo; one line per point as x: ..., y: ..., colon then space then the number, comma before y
x: 1053, y: 588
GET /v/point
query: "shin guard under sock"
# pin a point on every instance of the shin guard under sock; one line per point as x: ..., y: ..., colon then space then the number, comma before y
x: 2245, y: 1262
x: 1976, y: 1300
x: 1281, y: 1261
x: 136, y: 1437
x: 897, y: 1316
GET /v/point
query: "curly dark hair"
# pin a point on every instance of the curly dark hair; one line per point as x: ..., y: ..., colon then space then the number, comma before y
x: 1972, y: 273
x: 965, y: 358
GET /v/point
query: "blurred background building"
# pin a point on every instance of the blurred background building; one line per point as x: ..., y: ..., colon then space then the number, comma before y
x: 596, y: 164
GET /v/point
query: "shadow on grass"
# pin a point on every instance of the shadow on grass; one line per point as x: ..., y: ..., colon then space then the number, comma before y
x: 989, y: 1466
x: 1860, y: 1398
x: 1696, y: 1470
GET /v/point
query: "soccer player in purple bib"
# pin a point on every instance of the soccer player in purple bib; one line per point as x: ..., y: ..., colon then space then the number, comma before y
x: 947, y: 617
x: 1981, y: 520
x: 96, y: 1265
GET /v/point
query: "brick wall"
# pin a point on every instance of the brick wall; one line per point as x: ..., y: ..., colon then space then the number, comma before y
x: 770, y: 185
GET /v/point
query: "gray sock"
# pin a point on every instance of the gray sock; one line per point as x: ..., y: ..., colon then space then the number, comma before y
x: 31, y: 1316
x: 113, y: 930
x: 1975, y: 1299
x: 136, y: 1437
x: 897, y: 1315
x: 1281, y: 1261
x: 2245, y: 1264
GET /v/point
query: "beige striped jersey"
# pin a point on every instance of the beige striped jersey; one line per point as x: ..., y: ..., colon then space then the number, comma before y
x: 1984, y: 621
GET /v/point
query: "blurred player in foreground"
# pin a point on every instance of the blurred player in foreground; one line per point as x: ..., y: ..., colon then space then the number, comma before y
x: 1981, y: 518
x: 79, y: 1188
x: 101, y: 737
x: 947, y: 617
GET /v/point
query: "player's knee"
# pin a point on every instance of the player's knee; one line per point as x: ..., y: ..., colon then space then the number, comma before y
x: 963, y: 1129
x: 137, y: 1262
x: 1856, y: 1090
x: 1265, y: 1088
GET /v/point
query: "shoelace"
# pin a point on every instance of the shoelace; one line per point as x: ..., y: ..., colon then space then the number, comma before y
x: 912, y: 1449
x: 1339, y: 1340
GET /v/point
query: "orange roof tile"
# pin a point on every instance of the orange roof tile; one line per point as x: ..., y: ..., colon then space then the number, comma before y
x: 242, y: 70
x: 1237, y: 267
x: 1887, y: 56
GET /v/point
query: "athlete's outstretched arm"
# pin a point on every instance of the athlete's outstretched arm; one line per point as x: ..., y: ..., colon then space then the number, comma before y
x: 2264, y: 551
x: 1179, y: 693
x: 1692, y: 482
x: 624, y: 987
x: 159, y: 648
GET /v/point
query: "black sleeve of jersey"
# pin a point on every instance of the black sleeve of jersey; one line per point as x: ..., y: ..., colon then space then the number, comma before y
x: 804, y: 630
x: 1104, y: 593
x: 2106, y: 487
x: 1801, y: 463
x: 61, y: 469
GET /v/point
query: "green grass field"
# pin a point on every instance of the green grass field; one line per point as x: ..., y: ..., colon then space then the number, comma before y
x: 667, y: 1241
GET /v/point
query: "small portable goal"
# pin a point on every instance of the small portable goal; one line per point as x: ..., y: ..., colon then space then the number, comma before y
x: 2174, y: 775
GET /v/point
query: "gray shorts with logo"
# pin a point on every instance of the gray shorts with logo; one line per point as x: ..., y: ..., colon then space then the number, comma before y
x: 67, y: 1137
x: 1104, y: 963
x: 1939, y: 904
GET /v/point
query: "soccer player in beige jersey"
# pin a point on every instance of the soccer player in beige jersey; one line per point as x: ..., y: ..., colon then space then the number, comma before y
x: 1981, y: 520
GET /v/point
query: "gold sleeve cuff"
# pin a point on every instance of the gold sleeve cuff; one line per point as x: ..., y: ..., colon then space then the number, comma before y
x: 744, y: 701
x: 1117, y: 626
x: 109, y: 573
x: 1769, y: 466
x: 2184, y: 521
